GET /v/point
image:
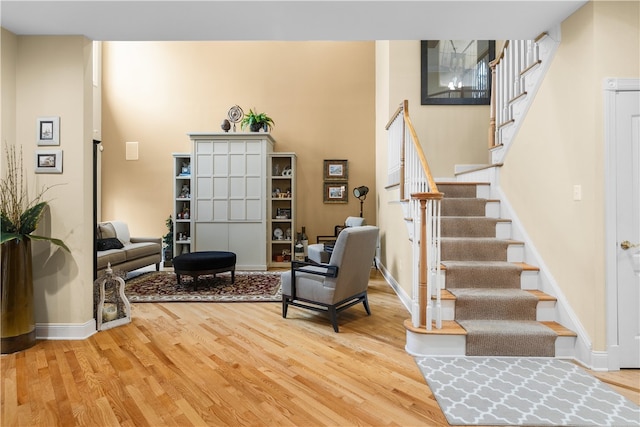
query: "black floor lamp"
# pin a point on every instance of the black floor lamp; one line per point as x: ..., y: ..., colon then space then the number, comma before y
x: 361, y: 193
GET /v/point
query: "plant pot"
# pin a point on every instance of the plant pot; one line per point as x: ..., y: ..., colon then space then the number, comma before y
x: 18, y: 320
x: 255, y: 127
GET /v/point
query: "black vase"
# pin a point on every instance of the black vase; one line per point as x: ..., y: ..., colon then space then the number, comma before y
x: 18, y: 319
x: 255, y: 127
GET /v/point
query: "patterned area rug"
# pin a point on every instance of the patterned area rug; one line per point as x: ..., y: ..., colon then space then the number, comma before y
x: 523, y: 391
x: 160, y: 286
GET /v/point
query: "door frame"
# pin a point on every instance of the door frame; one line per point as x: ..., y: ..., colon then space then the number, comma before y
x: 611, y: 87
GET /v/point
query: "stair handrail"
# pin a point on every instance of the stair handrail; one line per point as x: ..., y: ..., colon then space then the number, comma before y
x: 416, y: 180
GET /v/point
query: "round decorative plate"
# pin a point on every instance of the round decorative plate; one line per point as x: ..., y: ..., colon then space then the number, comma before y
x: 235, y: 114
x: 277, y: 233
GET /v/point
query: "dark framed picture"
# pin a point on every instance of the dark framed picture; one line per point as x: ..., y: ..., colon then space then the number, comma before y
x: 48, y: 130
x: 456, y: 72
x: 336, y: 170
x: 48, y: 161
x: 336, y: 192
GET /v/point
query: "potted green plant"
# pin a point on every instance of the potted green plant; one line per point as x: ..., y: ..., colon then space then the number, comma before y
x: 167, y: 241
x: 19, y: 217
x: 257, y: 121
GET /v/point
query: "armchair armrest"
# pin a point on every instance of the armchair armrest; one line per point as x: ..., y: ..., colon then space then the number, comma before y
x: 326, y: 239
x: 146, y: 239
x: 313, y: 268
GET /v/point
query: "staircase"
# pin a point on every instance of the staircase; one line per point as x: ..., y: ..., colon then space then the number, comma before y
x: 491, y: 305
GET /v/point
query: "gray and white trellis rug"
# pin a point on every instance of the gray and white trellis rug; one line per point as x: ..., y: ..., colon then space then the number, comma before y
x: 523, y: 391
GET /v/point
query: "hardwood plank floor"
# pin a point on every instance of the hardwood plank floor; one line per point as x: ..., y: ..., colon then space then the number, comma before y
x: 228, y: 364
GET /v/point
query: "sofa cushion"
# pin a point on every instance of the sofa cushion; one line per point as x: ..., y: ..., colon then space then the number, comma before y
x: 106, y: 230
x: 122, y: 231
x: 109, y: 243
x: 140, y: 250
x: 114, y: 256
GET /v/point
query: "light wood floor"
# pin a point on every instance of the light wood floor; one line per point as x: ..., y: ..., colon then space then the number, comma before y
x: 232, y: 364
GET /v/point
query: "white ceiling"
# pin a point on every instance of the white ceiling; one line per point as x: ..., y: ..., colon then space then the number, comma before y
x: 286, y: 20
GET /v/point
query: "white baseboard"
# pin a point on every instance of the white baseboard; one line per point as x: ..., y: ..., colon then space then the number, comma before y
x: 65, y: 331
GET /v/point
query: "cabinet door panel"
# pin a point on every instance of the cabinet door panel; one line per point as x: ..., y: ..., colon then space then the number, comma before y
x: 248, y: 242
x: 205, y: 189
x: 220, y: 187
x: 212, y: 236
x: 237, y: 187
x: 220, y: 210
x: 254, y: 187
x: 237, y: 211
x: 254, y: 164
x: 254, y: 210
x: 204, y: 210
x: 237, y: 165
x: 204, y: 165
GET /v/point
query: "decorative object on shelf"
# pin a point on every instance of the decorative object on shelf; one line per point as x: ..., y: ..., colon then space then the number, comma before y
x: 257, y: 121
x: 361, y: 193
x: 185, y: 193
x: 336, y: 170
x: 235, y: 114
x: 20, y: 216
x: 113, y: 307
x: 167, y: 241
x: 48, y: 161
x: 48, y: 130
x: 226, y: 125
x: 335, y: 192
x: 305, y: 242
x: 278, y: 234
x: 287, y: 234
x: 185, y: 170
x: 298, y: 250
x: 287, y: 171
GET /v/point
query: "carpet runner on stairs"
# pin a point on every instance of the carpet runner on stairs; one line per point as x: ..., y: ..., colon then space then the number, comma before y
x: 498, y: 316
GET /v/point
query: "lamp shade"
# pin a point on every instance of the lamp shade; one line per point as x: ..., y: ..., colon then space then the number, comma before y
x: 360, y: 191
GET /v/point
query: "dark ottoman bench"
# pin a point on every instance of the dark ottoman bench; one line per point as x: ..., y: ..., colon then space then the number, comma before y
x: 196, y: 264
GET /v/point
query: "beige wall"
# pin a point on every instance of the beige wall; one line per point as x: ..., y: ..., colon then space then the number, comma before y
x: 561, y: 144
x: 320, y: 94
x: 50, y: 76
x: 449, y: 135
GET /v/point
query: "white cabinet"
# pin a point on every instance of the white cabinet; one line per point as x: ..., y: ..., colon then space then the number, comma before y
x: 281, y: 208
x: 229, y: 212
x: 182, y: 208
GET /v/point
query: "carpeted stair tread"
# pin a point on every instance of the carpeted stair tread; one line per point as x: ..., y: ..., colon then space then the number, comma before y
x: 508, y: 338
x: 482, y: 274
x: 474, y: 249
x: 494, y: 304
x: 457, y: 189
x: 463, y: 207
x: 468, y: 226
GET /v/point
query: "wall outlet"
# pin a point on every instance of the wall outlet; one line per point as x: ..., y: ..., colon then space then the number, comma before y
x: 577, y: 192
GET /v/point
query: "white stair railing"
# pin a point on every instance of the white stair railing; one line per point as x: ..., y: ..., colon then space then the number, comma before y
x: 516, y: 74
x: 419, y: 191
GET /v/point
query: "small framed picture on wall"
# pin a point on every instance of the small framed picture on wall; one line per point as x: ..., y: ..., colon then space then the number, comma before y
x: 48, y: 130
x: 48, y: 161
x: 336, y: 170
x: 335, y: 192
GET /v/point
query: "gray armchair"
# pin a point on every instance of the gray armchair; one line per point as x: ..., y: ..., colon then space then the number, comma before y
x: 337, y: 285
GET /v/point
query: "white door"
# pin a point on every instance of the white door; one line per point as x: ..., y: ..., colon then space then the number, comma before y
x: 627, y: 129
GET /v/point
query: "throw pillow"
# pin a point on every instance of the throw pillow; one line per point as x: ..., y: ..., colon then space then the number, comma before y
x: 109, y: 243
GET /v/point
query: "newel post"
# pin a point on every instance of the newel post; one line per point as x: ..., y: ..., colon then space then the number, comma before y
x: 422, y: 277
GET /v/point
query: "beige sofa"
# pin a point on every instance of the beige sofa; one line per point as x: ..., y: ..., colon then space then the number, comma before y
x: 125, y: 253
